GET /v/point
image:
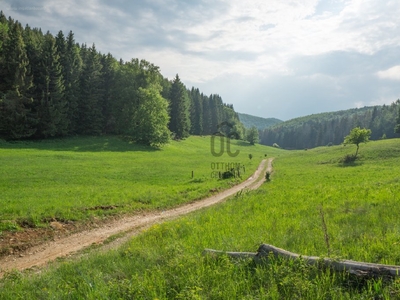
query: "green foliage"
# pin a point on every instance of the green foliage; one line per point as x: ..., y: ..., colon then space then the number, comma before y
x: 179, y: 109
x: 196, y: 111
x: 51, y: 107
x: 17, y: 120
x: 357, y: 136
x: 252, y: 136
x: 397, y: 127
x: 91, y: 91
x: 151, y: 118
x: 349, y: 158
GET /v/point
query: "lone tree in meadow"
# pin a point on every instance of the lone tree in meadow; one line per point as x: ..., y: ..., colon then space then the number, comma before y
x: 357, y: 136
x: 252, y: 135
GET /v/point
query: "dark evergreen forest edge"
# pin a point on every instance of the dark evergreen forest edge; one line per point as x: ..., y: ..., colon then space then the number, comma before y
x: 330, y: 128
x: 51, y: 86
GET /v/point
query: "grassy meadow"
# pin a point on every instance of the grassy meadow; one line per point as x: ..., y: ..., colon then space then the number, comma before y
x: 73, y: 179
x: 359, y: 203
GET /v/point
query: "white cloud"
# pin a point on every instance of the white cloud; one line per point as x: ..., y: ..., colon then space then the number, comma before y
x: 393, y: 73
x: 320, y: 54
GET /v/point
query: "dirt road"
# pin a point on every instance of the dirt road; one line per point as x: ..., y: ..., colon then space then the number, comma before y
x: 40, y: 255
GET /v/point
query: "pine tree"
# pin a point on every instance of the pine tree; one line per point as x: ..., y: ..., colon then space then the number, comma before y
x: 16, y: 117
x: 206, y: 118
x: 52, y: 110
x: 397, y: 127
x: 109, y: 66
x: 72, y: 67
x: 196, y: 112
x: 3, y: 35
x: 179, y: 109
x: 215, y: 110
x: 91, y: 92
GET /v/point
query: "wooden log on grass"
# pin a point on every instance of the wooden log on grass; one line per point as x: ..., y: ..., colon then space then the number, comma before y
x: 238, y: 255
x: 353, y: 267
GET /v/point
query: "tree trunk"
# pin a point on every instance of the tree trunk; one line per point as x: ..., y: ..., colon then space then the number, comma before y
x: 353, y: 267
x: 358, y: 146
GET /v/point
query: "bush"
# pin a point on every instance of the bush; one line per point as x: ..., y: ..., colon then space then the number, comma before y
x: 349, y: 158
x: 229, y: 174
x: 267, y: 176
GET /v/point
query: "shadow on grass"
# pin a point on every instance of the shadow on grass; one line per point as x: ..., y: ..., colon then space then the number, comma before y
x: 350, y: 164
x: 242, y: 143
x: 80, y: 144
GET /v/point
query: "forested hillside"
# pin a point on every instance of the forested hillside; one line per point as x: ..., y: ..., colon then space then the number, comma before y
x: 260, y: 123
x: 51, y: 86
x: 331, y: 128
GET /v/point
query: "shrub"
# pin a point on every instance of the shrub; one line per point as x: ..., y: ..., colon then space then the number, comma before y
x: 349, y: 158
x: 267, y: 176
x: 228, y: 174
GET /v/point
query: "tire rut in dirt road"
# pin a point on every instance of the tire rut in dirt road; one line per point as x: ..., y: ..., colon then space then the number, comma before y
x: 39, y: 255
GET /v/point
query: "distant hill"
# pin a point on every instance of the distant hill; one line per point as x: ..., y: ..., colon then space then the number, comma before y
x: 330, y: 128
x: 261, y: 123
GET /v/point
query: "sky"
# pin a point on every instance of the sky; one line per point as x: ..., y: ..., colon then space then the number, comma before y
x: 269, y: 58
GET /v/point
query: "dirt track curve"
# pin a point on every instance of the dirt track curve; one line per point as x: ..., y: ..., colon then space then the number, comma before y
x: 39, y: 255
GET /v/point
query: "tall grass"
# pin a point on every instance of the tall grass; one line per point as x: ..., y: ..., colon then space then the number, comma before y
x: 360, y: 208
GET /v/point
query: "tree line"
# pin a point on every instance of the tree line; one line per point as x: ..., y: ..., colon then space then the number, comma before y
x: 330, y: 128
x: 52, y: 86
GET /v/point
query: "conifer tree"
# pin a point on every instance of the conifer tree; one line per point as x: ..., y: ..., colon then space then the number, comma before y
x: 72, y: 67
x: 109, y: 67
x: 206, y: 118
x: 52, y: 109
x: 179, y: 109
x: 397, y: 127
x: 91, y: 92
x: 196, y: 112
x: 16, y: 117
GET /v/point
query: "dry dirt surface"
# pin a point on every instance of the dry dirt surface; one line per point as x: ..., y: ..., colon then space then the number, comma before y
x: 65, y: 246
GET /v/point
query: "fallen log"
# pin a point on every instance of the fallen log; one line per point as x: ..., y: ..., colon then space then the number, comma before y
x: 353, y: 267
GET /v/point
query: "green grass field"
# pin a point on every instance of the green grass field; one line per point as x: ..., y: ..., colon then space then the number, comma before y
x: 69, y: 179
x: 360, y: 204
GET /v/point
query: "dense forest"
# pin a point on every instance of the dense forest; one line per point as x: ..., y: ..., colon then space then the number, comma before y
x: 260, y: 123
x: 331, y: 128
x: 51, y: 86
